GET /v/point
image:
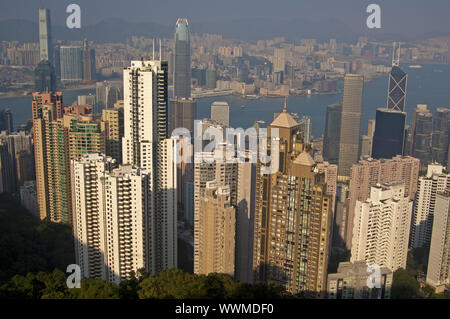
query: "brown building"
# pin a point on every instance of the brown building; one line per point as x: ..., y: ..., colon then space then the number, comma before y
x: 59, y: 138
x: 368, y: 173
x: 292, y: 217
x: 112, y: 126
x: 217, y: 221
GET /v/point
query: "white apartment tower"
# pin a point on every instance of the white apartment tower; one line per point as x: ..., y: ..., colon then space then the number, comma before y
x: 381, y: 227
x: 112, y: 228
x: 438, y: 274
x: 145, y: 145
x: 424, y: 205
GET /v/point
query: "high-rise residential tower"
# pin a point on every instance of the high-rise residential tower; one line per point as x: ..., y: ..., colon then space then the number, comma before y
x: 113, y: 228
x: 381, y: 227
x: 292, y: 216
x: 182, y: 60
x: 350, y: 123
x: 217, y: 227
x: 45, y: 35
x: 145, y: 145
x: 438, y: 272
x: 368, y: 173
x: 428, y: 186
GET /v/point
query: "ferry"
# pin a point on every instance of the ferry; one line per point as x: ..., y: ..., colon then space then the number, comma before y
x: 416, y: 66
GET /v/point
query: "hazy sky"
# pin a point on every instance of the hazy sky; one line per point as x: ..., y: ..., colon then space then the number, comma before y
x: 401, y: 15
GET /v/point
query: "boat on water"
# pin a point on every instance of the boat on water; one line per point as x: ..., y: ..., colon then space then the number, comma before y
x: 415, y: 66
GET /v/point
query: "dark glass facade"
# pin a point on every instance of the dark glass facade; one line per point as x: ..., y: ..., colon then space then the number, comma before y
x: 182, y: 60
x: 44, y: 77
x: 332, y: 133
x: 422, y: 138
x: 389, y: 136
x: 439, y: 143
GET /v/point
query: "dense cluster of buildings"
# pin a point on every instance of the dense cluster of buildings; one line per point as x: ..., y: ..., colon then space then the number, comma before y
x: 113, y: 173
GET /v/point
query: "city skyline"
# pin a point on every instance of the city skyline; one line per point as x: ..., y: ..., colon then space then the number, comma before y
x: 131, y: 146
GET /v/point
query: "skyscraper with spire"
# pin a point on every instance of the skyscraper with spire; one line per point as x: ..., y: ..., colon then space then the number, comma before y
x: 292, y: 215
x: 182, y: 60
x: 396, y: 98
x: 390, y: 125
x: 45, y: 35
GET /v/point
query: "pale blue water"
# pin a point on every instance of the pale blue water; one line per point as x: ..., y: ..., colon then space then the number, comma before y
x: 429, y: 85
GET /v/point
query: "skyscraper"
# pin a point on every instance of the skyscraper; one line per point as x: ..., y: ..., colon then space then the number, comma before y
x: 182, y: 114
x: 389, y: 133
x: 425, y: 204
x: 71, y: 63
x: 292, y: 216
x: 332, y: 133
x: 421, y: 108
x: 113, y: 227
x: 220, y: 112
x: 245, y: 219
x: 182, y: 59
x: 438, y: 272
x: 381, y: 228
x: 6, y: 120
x: 423, y: 128
x: 217, y: 227
x: 368, y: 173
x: 305, y: 124
x: 439, y: 143
x: 88, y: 62
x: 396, y: 98
x: 45, y: 36
x: 279, y: 60
x: 350, y: 123
x: 145, y: 145
x: 44, y: 77
x: 112, y: 126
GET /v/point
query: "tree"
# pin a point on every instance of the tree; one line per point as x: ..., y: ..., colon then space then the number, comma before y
x: 404, y: 285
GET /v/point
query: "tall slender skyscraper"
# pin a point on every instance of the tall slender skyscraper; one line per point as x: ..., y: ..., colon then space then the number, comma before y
x: 332, y: 133
x: 396, y: 98
x: 145, y: 145
x: 438, y: 273
x: 292, y: 217
x: 45, y: 36
x: 350, y: 123
x: 439, y: 143
x: 425, y: 204
x: 182, y: 59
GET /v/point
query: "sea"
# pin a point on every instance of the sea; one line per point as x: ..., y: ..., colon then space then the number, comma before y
x: 427, y: 85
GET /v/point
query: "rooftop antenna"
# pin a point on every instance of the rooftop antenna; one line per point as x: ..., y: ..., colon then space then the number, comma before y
x: 160, y: 51
x: 285, y: 105
x: 153, y: 49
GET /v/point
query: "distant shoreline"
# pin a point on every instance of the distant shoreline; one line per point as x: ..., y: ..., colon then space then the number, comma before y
x: 20, y: 93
